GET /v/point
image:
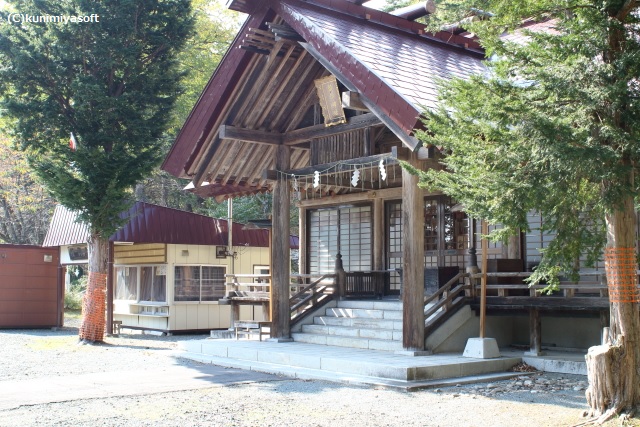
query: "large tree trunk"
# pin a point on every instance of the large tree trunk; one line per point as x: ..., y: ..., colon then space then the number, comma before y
x: 93, y: 303
x: 614, y: 366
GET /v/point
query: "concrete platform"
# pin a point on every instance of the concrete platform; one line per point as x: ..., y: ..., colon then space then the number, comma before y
x: 349, y: 365
x: 563, y: 362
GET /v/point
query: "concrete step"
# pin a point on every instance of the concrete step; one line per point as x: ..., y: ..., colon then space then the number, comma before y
x: 352, y: 331
x: 347, y: 341
x: 364, y: 313
x: 329, y: 362
x: 371, y: 305
x: 358, y: 322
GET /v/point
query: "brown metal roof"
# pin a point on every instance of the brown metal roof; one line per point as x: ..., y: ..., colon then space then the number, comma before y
x: 264, y: 84
x: 64, y: 230
x: 148, y: 223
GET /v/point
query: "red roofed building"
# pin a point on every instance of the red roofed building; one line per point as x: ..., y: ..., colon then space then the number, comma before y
x: 169, y: 266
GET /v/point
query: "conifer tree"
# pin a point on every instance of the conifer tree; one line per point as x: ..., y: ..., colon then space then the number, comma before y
x: 554, y: 127
x: 105, y: 78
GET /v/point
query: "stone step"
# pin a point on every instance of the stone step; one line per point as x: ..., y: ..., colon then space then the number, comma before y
x: 364, y: 313
x: 358, y: 322
x: 358, y: 332
x: 347, y: 341
x: 371, y: 305
x: 287, y: 357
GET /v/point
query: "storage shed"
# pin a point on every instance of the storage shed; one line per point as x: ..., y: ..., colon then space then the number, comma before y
x: 169, y: 266
x: 30, y: 287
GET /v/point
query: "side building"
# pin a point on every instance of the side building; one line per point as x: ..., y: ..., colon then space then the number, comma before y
x: 169, y: 267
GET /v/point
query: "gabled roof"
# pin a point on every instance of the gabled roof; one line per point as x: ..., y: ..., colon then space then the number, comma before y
x: 263, y: 85
x: 148, y: 223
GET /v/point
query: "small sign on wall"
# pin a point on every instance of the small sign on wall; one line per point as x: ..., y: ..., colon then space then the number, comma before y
x: 330, y: 101
x: 48, y: 258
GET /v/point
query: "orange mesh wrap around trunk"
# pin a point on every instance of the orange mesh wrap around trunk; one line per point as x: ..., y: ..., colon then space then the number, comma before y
x: 93, y: 308
x: 622, y: 280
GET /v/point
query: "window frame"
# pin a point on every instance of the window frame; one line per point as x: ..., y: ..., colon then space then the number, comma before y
x: 199, y: 301
x: 138, y: 268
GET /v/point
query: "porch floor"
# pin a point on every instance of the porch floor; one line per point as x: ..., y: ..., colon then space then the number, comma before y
x: 364, y: 367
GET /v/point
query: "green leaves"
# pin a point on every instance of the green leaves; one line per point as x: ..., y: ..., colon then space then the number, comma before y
x: 112, y: 83
x: 552, y: 127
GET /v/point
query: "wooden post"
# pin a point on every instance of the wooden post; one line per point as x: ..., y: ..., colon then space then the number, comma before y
x: 535, y: 332
x: 110, y: 290
x: 280, y: 251
x: 302, y: 239
x: 341, y: 277
x: 378, y: 234
x: 483, y: 281
x: 412, y: 261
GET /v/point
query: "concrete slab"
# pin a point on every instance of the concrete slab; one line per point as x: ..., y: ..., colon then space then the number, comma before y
x: 17, y: 393
x: 339, y: 363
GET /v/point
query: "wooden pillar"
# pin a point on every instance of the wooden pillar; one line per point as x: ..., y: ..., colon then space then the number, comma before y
x: 412, y: 261
x: 378, y: 234
x: 110, y: 290
x: 280, y: 251
x: 535, y: 332
x: 302, y: 236
x: 483, y: 280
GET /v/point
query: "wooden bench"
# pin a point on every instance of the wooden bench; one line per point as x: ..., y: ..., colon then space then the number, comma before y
x: 251, y: 327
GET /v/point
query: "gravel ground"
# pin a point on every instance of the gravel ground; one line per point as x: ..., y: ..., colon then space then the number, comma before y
x: 528, y: 401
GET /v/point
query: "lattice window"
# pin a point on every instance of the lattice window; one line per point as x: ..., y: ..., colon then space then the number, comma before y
x: 346, y: 230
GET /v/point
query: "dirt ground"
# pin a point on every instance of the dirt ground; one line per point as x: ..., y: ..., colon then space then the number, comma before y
x: 31, y: 355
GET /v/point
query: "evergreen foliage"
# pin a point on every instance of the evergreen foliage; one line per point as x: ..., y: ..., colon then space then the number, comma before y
x: 552, y: 127
x: 111, y: 83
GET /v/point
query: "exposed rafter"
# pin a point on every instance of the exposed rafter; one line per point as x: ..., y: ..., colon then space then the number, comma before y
x: 305, y: 134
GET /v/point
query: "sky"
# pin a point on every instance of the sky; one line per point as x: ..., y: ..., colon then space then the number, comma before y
x: 375, y: 4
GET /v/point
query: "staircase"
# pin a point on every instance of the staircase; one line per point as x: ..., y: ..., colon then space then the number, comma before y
x: 372, y: 325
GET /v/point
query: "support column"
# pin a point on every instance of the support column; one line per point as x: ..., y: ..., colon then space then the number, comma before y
x: 280, y: 251
x: 412, y: 261
x: 378, y: 234
x: 302, y: 241
x: 535, y: 333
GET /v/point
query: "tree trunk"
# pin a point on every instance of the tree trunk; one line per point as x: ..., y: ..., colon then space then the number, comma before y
x: 614, y: 366
x: 93, y: 302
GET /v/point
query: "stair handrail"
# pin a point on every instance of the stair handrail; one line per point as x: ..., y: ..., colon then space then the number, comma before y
x: 311, y: 296
x: 449, y: 294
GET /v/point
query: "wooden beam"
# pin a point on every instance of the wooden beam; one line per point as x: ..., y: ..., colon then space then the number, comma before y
x: 319, y: 131
x: 284, y: 31
x: 250, y: 135
x: 352, y: 101
x: 412, y: 262
x: 200, y: 175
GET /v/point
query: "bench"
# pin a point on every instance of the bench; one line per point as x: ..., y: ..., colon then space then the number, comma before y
x: 251, y: 327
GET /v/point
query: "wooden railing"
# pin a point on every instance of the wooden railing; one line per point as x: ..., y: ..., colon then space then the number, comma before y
x: 254, y: 289
x: 566, y: 288
x: 365, y: 283
x: 313, y: 292
x: 448, y: 299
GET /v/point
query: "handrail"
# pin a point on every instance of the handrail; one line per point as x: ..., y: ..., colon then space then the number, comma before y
x: 312, y: 297
x: 312, y: 285
x: 449, y: 299
x: 568, y: 287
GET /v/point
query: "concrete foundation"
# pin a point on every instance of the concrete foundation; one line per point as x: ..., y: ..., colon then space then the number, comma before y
x: 481, y: 348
